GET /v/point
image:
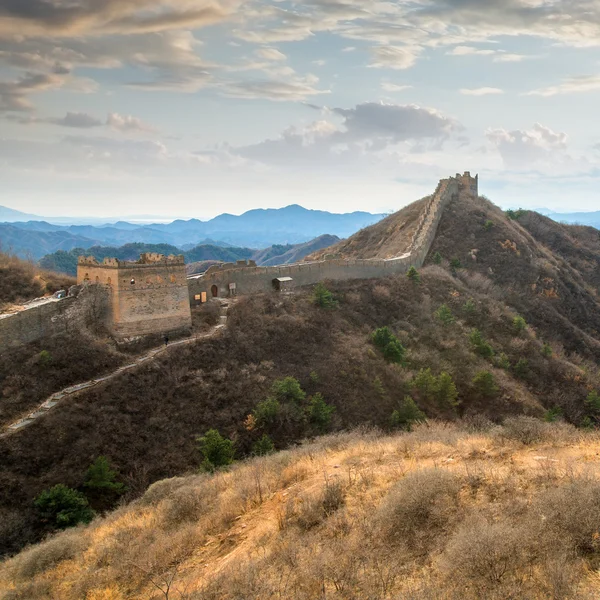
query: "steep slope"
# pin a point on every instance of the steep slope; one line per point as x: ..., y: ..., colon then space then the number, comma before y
x: 443, y: 513
x: 546, y: 271
x: 388, y: 238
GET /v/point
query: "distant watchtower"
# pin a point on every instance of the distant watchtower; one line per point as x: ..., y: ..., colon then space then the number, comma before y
x: 467, y: 184
x: 148, y: 296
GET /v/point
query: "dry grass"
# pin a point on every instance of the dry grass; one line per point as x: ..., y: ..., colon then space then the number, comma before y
x: 444, y: 512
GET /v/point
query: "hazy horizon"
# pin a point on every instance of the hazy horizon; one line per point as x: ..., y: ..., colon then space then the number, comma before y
x: 200, y: 107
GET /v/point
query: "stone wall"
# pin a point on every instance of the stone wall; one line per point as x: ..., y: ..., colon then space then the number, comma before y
x: 234, y: 279
x: 54, y: 318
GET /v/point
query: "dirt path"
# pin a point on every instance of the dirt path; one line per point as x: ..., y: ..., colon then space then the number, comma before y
x: 60, y: 396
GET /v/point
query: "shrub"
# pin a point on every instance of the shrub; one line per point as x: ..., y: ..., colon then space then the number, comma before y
x: 263, y: 446
x: 488, y: 225
x: 469, y: 307
x: 437, y: 259
x: 323, y: 298
x: 445, y: 392
x: 418, y: 508
x: 266, y: 412
x: 444, y: 314
x: 310, y: 510
x: 440, y: 389
x: 515, y: 214
x: 519, y: 324
x: 455, y: 264
x: 526, y: 430
x: 413, y: 275
x: 45, y: 358
x: 390, y: 345
x: 288, y: 390
x: 593, y: 401
x: 406, y: 414
x: 319, y: 412
x: 553, y: 414
x: 485, y: 384
x: 547, y: 350
x: 63, y: 507
x: 521, y: 369
x: 101, y: 481
x: 480, y: 345
x: 395, y: 353
x: 502, y: 361
x: 485, y: 553
x: 216, y: 450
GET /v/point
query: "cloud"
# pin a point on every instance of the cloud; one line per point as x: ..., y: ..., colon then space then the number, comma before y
x: 293, y: 88
x: 14, y: 94
x: 270, y: 54
x: 77, y: 120
x: 572, y: 85
x: 367, y: 135
x: 484, y: 91
x: 522, y: 149
x: 393, y: 87
x: 394, y: 57
x: 128, y: 124
x: 469, y: 51
x: 79, y: 17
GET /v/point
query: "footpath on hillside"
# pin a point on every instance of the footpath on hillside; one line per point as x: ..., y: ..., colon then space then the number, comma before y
x: 72, y: 390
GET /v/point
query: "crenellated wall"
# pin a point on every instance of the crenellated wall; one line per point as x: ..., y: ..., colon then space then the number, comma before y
x: 233, y: 279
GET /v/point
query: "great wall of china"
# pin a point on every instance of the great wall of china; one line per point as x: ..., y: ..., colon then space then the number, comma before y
x: 153, y: 295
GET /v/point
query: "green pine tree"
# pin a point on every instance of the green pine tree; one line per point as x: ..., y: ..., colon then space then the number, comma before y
x: 63, y: 507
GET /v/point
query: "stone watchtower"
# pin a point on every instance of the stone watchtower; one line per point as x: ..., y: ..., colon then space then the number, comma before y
x: 148, y: 296
x: 468, y: 185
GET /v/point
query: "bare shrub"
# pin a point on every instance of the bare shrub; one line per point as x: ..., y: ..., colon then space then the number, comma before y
x: 527, y: 430
x: 45, y: 556
x: 309, y: 510
x: 419, y: 507
x: 571, y: 515
x: 485, y: 554
x: 188, y: 503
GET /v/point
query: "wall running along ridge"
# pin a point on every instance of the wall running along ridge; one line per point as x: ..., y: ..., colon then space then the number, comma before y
x: 248, y: 278
x: 159, y: 301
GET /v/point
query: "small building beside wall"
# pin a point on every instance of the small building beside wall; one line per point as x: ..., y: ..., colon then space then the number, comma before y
x: 283, y: 284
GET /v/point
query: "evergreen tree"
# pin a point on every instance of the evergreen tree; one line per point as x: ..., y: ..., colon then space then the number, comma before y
x: 63, y: 507
x: 319, y: 412
x: 413, y: 275
x: 263, y: 446
x: 323, y: 297
x: 101, y: 480
x: 444, y: 314
x: 485, y: 384
x: 406, y: 414
x: 217, y: 451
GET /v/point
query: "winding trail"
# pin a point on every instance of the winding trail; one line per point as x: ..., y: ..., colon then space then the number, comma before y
x: 72, y: 390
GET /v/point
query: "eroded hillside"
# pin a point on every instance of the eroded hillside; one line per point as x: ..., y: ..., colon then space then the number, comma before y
x: 447, y: 512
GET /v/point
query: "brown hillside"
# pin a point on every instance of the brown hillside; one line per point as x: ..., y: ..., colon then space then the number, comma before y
x: 545, y: 271
x: 386, y: 239
x: 146, y: 421
x: 21, y: 281
x: 443, y: 513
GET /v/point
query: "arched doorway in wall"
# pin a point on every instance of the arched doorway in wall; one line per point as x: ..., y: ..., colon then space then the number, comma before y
x: 214, y: 290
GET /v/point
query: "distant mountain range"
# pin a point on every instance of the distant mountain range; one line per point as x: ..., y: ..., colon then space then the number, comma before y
x: 577, y: 218
x: 198, y: 259
x: 258, y: 228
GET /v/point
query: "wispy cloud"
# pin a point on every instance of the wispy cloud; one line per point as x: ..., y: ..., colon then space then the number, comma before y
x: 572, y: 85
x: 484, y: 91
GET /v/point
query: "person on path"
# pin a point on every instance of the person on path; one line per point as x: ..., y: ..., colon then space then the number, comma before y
x: 166, y: 340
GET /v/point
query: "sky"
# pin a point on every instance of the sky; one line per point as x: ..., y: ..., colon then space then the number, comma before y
x: 192, y: 108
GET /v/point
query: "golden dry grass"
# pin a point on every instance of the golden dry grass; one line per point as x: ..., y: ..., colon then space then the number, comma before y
x: 446, y: 511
